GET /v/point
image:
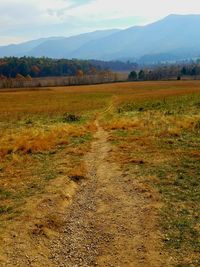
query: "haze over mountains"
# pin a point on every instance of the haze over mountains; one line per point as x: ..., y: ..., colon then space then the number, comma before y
x: 176, y: 37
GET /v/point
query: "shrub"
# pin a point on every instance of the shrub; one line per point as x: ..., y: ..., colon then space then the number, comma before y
x: 71, y: 118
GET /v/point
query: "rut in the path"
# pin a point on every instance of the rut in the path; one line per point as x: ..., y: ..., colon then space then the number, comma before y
x: 109, y: 223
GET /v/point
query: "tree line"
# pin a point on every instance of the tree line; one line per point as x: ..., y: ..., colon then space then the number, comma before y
x: 166, y: 72
x: 115, y: 65
x: 11, y: 67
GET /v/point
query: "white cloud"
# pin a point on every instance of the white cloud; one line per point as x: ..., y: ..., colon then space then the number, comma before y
x: 28, y: 18
x: 153, y: 9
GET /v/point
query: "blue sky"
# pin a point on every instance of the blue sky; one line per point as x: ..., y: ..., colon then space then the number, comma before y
x: 23, y: 20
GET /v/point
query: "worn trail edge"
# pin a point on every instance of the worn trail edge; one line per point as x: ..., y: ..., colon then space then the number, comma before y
x: 111, y: 222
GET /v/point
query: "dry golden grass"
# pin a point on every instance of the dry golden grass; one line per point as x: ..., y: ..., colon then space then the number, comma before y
x: 16, y: 104
x: 157, y: 141
x: 41, y: 154
x: 35, y: 140
x: 124, y: 124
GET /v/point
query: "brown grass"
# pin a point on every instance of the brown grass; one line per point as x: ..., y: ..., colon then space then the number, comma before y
x: 160, y: 146
x: 41, y: 155
x: 124, y: 124
x: 36, y: 140
x: 80, y: 99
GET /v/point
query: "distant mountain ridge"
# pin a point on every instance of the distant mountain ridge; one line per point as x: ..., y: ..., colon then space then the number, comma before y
x: 176, y: 37
x: 24, y: 48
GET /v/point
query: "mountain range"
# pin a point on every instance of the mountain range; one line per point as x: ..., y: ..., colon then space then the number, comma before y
x: 176, y: 37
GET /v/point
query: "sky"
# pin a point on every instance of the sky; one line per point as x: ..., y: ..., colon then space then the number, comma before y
x: 23, y: 20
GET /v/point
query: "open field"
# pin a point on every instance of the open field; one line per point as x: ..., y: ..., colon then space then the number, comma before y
x: 102, y: 175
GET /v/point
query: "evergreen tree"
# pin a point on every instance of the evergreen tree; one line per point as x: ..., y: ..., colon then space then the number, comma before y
x: 132, y: 76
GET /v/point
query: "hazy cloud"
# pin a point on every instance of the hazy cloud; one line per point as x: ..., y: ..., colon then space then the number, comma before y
x: 76, y: 3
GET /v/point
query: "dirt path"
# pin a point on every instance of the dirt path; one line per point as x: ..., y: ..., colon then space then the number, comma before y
x: 111, y: 221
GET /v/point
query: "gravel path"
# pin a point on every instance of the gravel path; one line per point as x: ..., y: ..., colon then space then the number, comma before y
x: 111, y: 221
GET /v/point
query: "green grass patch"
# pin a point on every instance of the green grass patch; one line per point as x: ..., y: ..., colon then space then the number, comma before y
x: 5, y: 209
x: 170, y: 105
x: 177, y: 176
x: 76, y: 140
x: 4, y: 194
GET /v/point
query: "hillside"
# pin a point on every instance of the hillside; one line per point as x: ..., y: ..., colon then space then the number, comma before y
x: 24, y: 48
x: 53, y: 47
x: 65, y: 47
x: 175, y: 37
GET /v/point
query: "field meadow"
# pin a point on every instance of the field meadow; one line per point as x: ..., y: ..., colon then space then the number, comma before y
x: 154, y: 131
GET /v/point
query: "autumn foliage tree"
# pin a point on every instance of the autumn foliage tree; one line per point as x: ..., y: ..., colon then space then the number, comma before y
x: 79, y: 73
x: 45, y: 67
